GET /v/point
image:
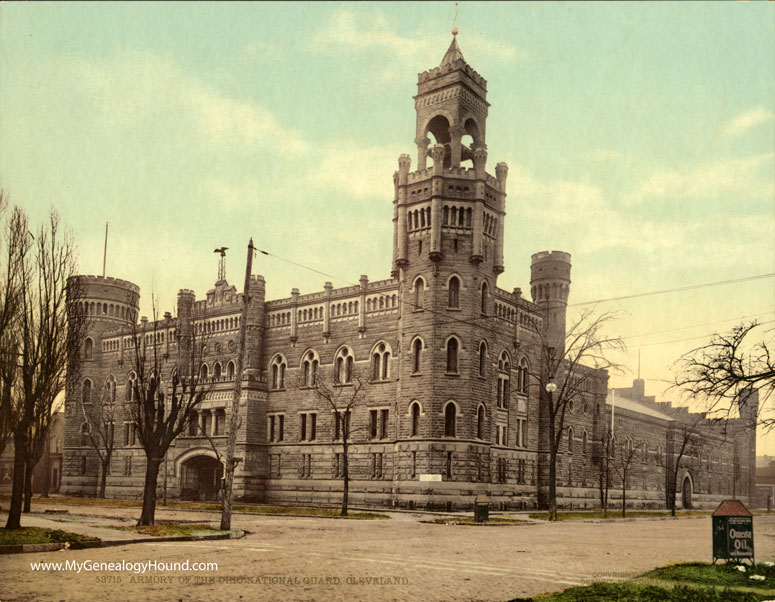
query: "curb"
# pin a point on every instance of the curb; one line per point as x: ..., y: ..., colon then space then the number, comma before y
x: 27, y: 548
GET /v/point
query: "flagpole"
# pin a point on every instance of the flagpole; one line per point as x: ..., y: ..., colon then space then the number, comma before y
x: 105, y: 252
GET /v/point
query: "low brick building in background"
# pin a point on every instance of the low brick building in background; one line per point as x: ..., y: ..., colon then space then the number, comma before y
x: 47, y: 474
x: 451, y: 408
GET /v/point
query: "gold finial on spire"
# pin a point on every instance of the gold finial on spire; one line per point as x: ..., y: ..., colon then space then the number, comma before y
x: 454, y: 21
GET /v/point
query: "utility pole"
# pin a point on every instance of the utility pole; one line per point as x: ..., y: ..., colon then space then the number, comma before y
x: 233, y: 423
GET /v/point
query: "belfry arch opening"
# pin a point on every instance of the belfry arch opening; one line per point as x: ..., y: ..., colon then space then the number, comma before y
x: 437, y: 131
x: 470, y: 141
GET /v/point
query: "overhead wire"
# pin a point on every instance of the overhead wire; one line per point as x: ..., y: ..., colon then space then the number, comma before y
x: 477, y: 321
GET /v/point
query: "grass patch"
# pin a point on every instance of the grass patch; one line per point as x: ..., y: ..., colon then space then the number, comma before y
x: 40, y: 535
x: 614, y: 514
x: 169, y: 529
x: 468, y: 520
x: 213, y: 507
x: 85, y: 501
x: 307, y: 511
x: 725, y: 575
x: 632, y: 592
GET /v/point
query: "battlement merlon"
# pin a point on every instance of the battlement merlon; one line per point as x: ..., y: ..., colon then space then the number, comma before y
x: 456, y: 71
x: 462, y: 173
x: 106, y: 281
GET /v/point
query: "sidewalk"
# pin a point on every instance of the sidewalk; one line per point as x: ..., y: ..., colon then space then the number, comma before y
x: 98, y: 525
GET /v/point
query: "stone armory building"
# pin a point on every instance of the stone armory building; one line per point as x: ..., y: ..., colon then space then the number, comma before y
x: 451, y: 406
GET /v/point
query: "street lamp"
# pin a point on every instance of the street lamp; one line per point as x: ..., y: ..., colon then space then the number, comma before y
x: 551, y: 388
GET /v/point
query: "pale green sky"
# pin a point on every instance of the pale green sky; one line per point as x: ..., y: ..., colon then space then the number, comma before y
x: 640, y: 138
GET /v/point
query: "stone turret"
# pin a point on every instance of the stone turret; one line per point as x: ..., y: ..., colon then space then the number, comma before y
x: 550, y: 287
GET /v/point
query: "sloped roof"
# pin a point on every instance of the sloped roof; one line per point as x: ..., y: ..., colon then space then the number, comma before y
x: 453, y: 53
x: 731, y: 508
x: 635, y: 406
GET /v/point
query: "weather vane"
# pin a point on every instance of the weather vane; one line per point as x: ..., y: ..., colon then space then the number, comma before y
x: 454, y: 21
x: 221, y: 263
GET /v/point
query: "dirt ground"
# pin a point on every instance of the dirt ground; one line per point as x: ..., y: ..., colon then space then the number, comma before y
x: 400, y: 559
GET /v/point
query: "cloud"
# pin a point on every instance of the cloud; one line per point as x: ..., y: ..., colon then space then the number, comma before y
x: 549, y: 201
x: 134, y: 87
x: 374, y: 31
x: 711, y: 180
x: 358, y: 172
x: 360, y: 31
x: 747, y: 120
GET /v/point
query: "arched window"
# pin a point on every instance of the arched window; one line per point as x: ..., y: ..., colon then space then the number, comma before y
x: 343, y: 366
x: 110, y: 389
x: 277, y: 369
x: 570, y: 440
x: 130, y: 386
x: 203, y: 372
x: 309, y: 367
x: 88, y: 349
x: 230, y: 370
x: 85, y: 430
x: 454, y: 292
x: 450, y: 419
x: 485, y: 292
x: 415, y: 411
x: 419, y: 293
x: 380, y: 362
x: 522, y: 376
x: 217, y: 370
x: 584, y: 443
x: 452, y: 355
x: 480, y: 422
x: 417, y: 355
x: 504, y: 380
x: 482, y: 359
x: 86, y: 391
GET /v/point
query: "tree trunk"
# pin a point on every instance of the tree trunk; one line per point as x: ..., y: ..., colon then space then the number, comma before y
x: 345, y: 478
x: 552, y: 486
x: 104, y: 477
x: 17, y: 493
x: 226, y: 495
x: 149, y: 492
x: 28, y: 485
x: 624, y: 495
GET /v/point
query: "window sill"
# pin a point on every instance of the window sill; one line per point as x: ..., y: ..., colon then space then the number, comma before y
x: 343, y: 384
x: 379, y: 382
x: 279, y: 389
x: 416, y: 374
x: 418, y: 310
x: 454, y: 309
x: 455, y: 374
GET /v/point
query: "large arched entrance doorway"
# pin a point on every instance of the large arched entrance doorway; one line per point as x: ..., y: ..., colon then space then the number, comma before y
x: 201, y: 479
x: 686, y: 493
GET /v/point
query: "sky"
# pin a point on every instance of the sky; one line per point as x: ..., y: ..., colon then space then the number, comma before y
x: 640, y: 138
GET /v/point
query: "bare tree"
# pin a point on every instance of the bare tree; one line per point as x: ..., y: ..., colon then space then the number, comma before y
x: 13, y: 240
x: 682, y: 444
x: 602, y: 457
x: 100, y: 429
x: 41, y: 338
x: 622, y: 465
x: 341, y: 395
x: 564, y: 377
x: 721, y: 370
x: 159, y: 416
